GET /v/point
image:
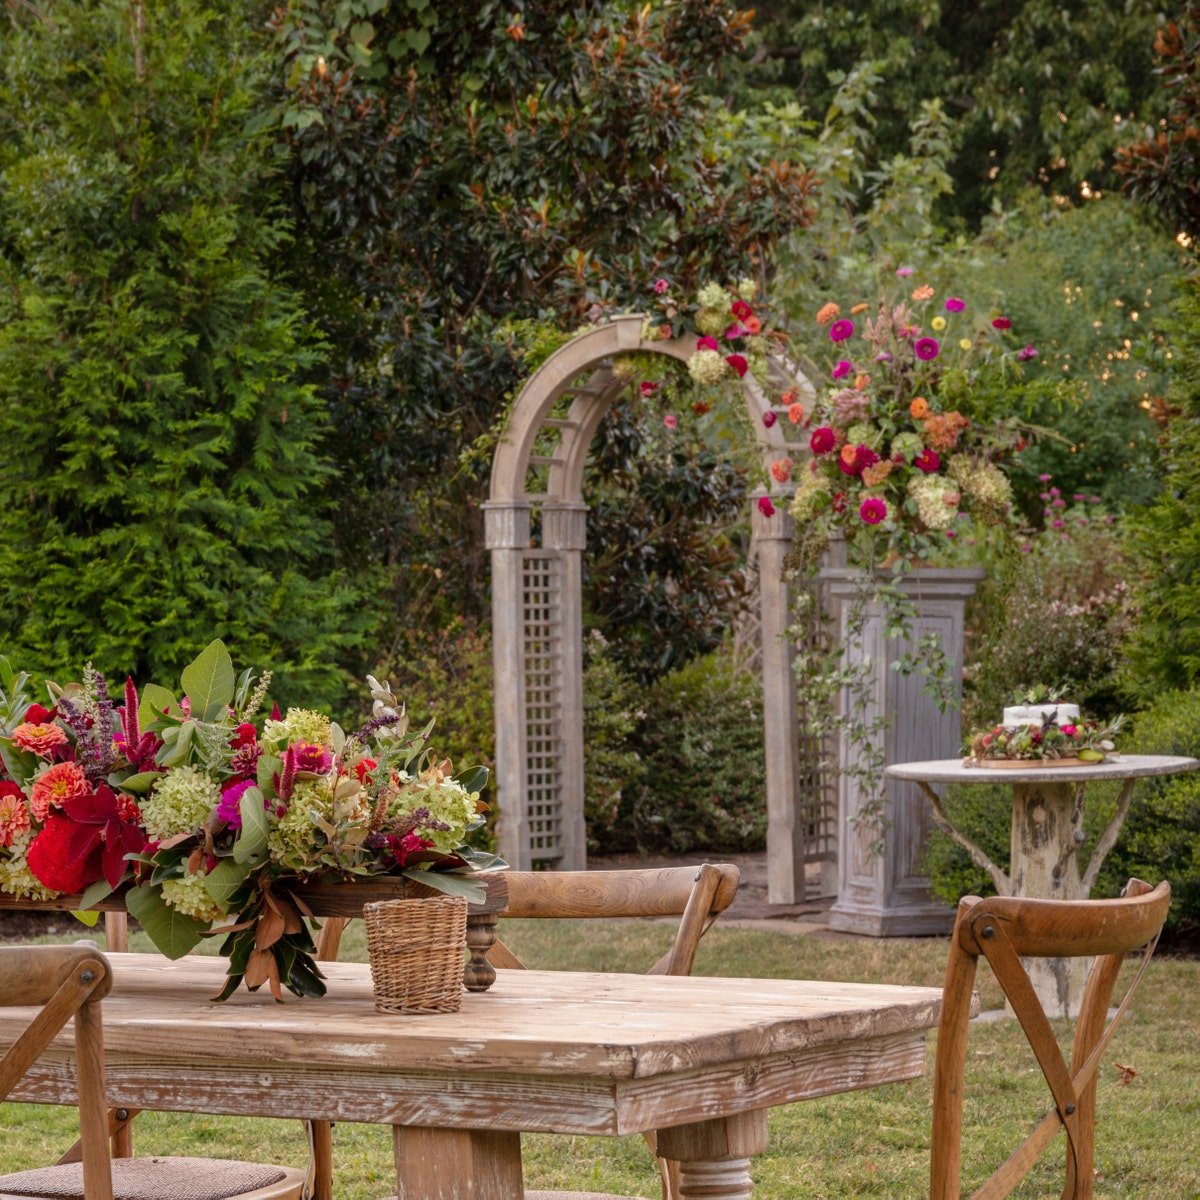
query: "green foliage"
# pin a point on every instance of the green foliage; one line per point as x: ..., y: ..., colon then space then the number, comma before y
x: 459, y: 168
x: 1040, y: 91
x: 612, y: 716
x: 1161, y: 839
x: 1164, y: 539
x: 702, y: 749
x: 165, y: 460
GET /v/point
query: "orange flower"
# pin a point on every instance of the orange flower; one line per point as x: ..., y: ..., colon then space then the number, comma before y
x: 516, y: 30
x: 827, y: 313
x: 861, y: 382
x: 875, y: 474
x: 753, y: 324
x: 858, y: 308
x: 781, y: 470
x: 41, y: 740
x: 788, y: 397
x: 924, y: 292
x: 664, y: 331
x: 795, y: 413
x: 942, y: 432
x: 849, y: 454
x: 14, y: 813
x: 700, y: 407
x: 63, y: 781
x: 919, y: 408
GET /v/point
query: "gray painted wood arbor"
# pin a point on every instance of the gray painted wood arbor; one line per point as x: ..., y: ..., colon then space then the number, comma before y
x: 537, y: 484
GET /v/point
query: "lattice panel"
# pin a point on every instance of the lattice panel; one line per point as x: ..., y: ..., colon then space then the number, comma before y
x: 816, y: 764
x: 542, y: 574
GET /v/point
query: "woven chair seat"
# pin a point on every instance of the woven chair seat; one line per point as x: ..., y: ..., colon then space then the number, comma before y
x: 569, y: 1196
x: 149, y: 1179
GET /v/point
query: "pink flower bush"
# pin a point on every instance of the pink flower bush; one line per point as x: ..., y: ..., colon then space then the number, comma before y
x: 872, y: 510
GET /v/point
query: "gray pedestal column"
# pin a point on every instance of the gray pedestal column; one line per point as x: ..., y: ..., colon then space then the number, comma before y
x: 887, y: 894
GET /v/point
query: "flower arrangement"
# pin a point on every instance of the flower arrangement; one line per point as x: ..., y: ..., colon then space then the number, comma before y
x: 206, y: 810
x: 1084, y: 741
x: 894, y: 458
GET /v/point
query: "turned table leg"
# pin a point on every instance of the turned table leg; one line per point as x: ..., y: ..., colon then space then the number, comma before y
x: 714, y: 1156
x: 1047, y: 834
x: 479, y: 974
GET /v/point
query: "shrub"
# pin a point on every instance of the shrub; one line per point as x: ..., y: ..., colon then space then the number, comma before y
x: 1161, y: 839
x: 702, y: 747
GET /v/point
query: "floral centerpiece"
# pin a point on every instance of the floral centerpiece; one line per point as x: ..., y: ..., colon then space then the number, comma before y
x: 895, y: 459
x: 208, y: 810
x: 1054, y: 734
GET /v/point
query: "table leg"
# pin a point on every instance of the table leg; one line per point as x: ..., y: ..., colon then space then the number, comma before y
x: 714, y: 1156
x: 479, y: 974
x: 1047, y: 833
x: 457, y: 1164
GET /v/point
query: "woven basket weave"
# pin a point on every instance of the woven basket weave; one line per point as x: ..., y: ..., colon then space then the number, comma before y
x: 417, y: 951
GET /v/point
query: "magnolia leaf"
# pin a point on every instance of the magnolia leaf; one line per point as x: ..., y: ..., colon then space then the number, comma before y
x: 268, y: 766
x: 481, y: 860
x: 252, y: 840
x: 476, y: 780
x: 224, y: 880
x: 6, y: 672
x: 100, y: 890
x: 170, y: 930
x: 209, y: 682
x: 18, y: 763
x: 87, y: 918
x: 143, y: 781
x: 152, y: 703
x: 177, y: 744
x: 450, y: 883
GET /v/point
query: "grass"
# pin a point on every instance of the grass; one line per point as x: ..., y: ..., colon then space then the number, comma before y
x: 864, y: 1144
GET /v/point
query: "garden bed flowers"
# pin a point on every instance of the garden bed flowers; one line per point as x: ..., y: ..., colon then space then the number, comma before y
x: 895, y: 460
x: 204, y: 810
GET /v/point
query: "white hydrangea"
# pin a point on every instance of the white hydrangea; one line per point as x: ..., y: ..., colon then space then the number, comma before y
x: 937, y: 500
x: 180, y: 802
x: 713, y: 295
x: 707, y: 367
x: 747, y: 289
x: 16, y: 879
x: 298, y: 725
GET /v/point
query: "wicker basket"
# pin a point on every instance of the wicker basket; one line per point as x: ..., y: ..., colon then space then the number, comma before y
x: 417, y: 950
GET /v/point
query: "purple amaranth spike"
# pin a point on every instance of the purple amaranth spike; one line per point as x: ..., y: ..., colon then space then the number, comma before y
x: 287, y: 776
x: 129, y: 714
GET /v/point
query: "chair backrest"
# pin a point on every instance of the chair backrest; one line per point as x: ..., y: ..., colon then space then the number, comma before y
x: 63, y: 982
x: 697, y: 895
x: 1003, y: 930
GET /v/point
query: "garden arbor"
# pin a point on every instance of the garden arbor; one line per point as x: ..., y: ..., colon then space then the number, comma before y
x: 537, y: 487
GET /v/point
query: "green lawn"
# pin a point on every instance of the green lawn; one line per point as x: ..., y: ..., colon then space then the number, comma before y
x: 866, y: 1144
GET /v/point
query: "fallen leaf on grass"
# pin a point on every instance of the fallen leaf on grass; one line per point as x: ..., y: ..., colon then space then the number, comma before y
x: 1128, y: 1074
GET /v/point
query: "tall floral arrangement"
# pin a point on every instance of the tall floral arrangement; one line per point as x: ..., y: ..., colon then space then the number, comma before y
x: 896, y: 459
x: 204, y: 807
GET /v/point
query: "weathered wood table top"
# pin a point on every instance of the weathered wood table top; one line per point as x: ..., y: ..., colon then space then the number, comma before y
x: 1124, y: 766
x: 542, y: 1051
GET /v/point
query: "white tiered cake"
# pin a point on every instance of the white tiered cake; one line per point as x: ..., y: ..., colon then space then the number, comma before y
x: 1036, y: 714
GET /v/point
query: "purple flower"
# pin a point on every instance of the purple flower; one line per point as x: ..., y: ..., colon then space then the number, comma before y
x: 954, y: 304
x: 1078, y: 497
x: 1109, y: 519
x: 1058, y: 502
x: 839, y: 331
x: 1025, y: 547
x: 735, y: 331
x: 884, y: 356
x: 842, y: 368
x: 230, y: 808
x: 904, y: 272
x: 1045, y: 478
x: 769, y: 418
x: 661, y: 286
x: 1026, y: 354
x: 1056, y: 491
x: 1057, y: 523
x: 1093, y: 499
x: 926, y: 348
x: 1001, y: 323
x: 951, y: 534
x: 312, y: 758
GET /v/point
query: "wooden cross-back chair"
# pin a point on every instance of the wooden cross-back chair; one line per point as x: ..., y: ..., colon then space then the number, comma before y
x: 1004, y: 930
x: 65, y: 982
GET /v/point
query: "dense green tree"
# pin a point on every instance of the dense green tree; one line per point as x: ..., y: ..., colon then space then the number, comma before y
x: 463, y: 168
x: 164, y: 462
x: 1041, y: 91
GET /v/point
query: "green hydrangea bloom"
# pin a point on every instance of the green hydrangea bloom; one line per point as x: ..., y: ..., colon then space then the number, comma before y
x: 180, y: 803
x: 299, y: 725
x: 447, y: 802
x: 937, y: 500
x: 747, y: 289
x: 864, y: 435
x: 713, y: 295
x: 811, y: 489
x: 712, y: 321
x: 16, y: 879
x: 296, y: 843
x: 985, y: 483
x: 707, y: 367
x: 907, y: 444
x: 190, y: 897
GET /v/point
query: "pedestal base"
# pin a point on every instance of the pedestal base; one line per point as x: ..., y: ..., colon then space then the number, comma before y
x: 930, y: 920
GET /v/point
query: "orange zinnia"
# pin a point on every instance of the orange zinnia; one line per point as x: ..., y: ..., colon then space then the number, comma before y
x: 795, y: 413
x: 753, y: 324
x: 861, y: 382
x: 919, y: 408
x: 859, y: 308
x: 849, y: 454
x: 827, y: 313
x: 924, y: 292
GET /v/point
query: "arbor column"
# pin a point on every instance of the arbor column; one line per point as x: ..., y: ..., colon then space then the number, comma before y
x: 506, y: 531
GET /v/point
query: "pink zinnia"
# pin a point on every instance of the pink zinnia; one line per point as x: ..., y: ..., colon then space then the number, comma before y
x: 312, y: 758
x: 41, y: 740
x: 954, y: 304
x: 926, y: 348
x: 839, y: 331
x: 1026, y: 354
x: 648, y: 388
x: 823, y: 440
x: 1001, y: 323
x: 904, y: 272
x: 1070, y: 730
x: 863, y: 458
x: 927, y: 461
x: 765, y: 506
x: 842, y: 368
x: 671, y: 421
x: 661, y: 286
x: 707, y: 343
x: 229, y: 809
x: 735, y: 331
x: 872, y: 510
x: 63, y: 781
x: 769, y: 418
x: 738, y: 363
x: 741, y: 310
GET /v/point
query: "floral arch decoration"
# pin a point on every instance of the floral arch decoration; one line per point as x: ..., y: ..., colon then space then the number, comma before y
x: 538, y: 469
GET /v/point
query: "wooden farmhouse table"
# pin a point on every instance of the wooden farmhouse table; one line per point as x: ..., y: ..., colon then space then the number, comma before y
x: 1047, y: 836
x: 699, y: 1059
